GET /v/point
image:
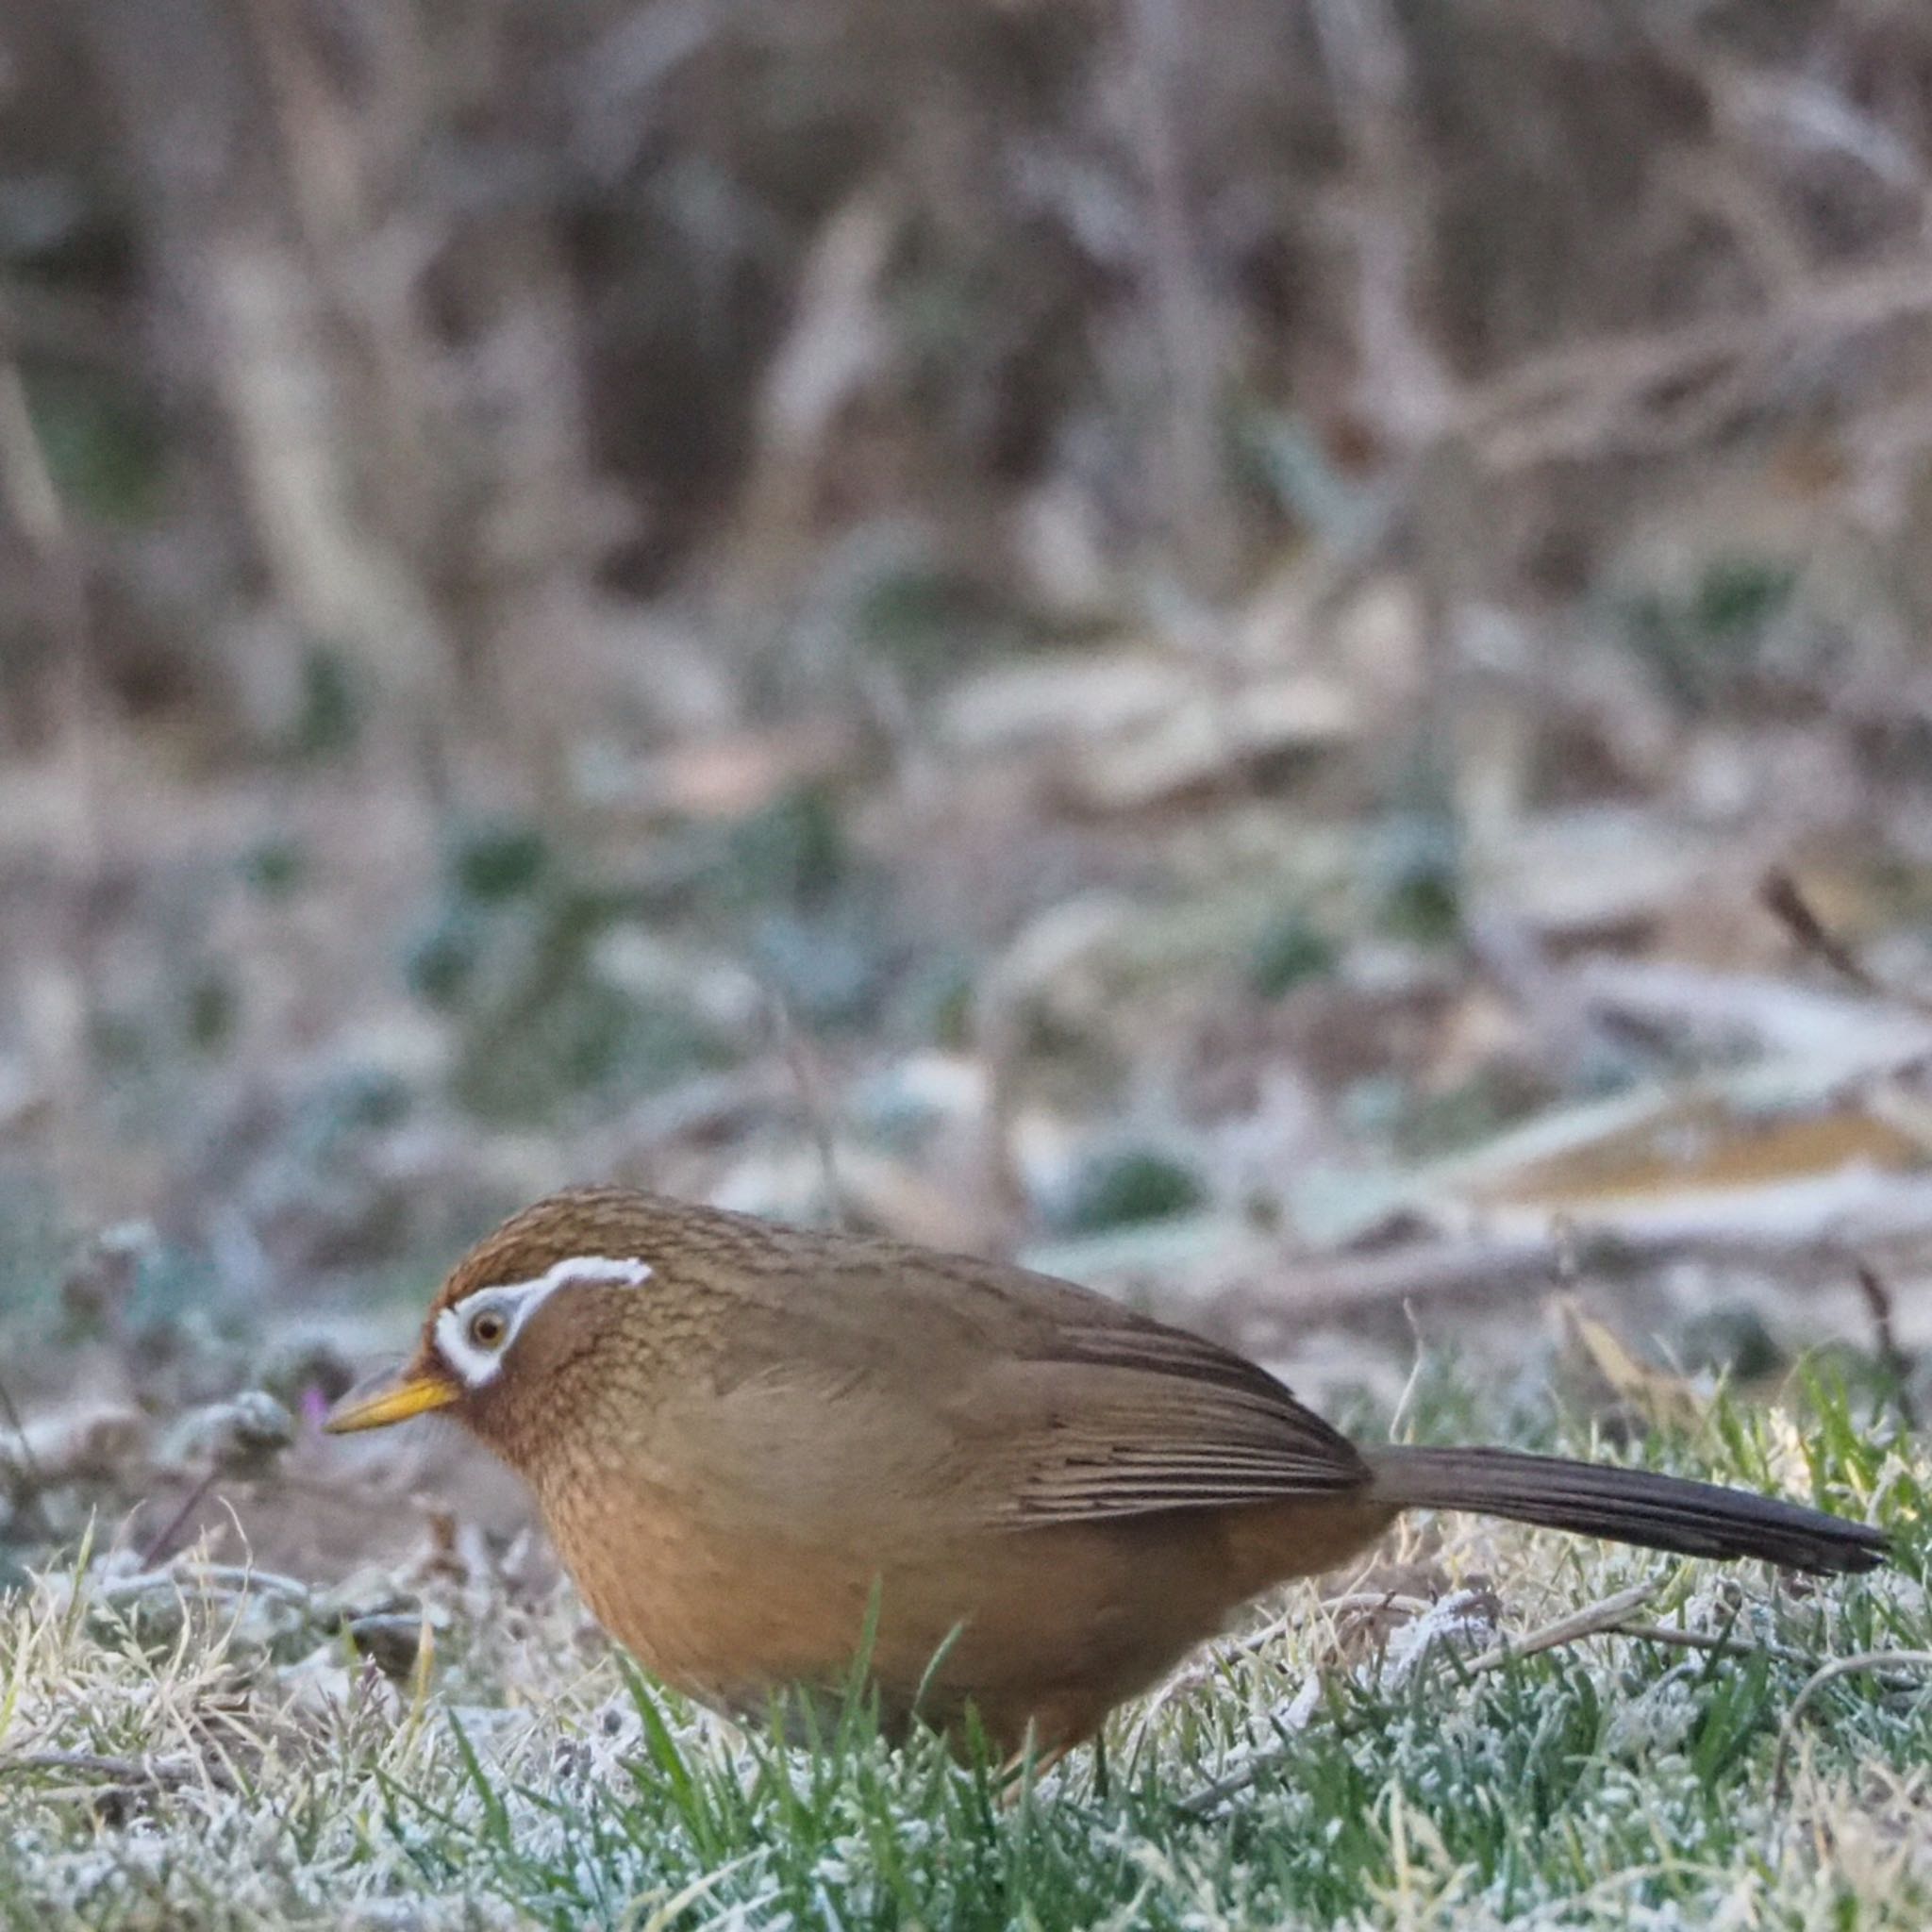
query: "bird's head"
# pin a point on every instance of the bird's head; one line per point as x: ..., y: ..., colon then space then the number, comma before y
x: 523, y: 1301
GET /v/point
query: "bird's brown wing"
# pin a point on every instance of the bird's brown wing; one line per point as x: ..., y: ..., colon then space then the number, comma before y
x: 1128, y: 1422
x: 1043, y: 1402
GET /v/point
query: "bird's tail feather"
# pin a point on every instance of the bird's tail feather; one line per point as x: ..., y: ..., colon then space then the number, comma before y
x: 1629, y: 1505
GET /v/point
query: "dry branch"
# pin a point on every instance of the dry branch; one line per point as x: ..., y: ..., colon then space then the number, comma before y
x: 1602, y: 1618
x: 1811, y: 1226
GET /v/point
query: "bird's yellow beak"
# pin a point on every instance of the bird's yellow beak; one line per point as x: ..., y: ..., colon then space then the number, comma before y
x: 392, y: 1396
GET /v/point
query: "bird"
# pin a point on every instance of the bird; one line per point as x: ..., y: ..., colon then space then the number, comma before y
x: 770, y: 1456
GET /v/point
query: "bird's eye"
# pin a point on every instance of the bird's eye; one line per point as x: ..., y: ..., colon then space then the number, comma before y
x: 487, y: 1326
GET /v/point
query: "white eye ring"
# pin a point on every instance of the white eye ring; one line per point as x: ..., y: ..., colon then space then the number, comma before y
x: 474, y: 1339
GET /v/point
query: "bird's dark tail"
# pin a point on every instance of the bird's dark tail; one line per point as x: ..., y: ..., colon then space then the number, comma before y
x: 1627, y: 1505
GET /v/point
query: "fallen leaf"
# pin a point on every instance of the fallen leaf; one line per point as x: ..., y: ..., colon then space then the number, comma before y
x: 1666, y: 1401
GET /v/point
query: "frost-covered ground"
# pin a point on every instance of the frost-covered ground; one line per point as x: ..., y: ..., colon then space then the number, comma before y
x: 1489, y: 1727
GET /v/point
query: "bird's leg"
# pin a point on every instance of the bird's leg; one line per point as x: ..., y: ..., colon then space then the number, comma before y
x: 1028, y: 1765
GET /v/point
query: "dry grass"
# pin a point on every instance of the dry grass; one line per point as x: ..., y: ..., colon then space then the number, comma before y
x: 1381, y: 1754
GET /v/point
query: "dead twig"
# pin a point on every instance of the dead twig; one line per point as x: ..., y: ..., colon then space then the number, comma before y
x: 1780, y: 896
x: 30, y: 501
x: 1813, y: 1225
x: 1895, y: 1361
x: 1192, y: 335
x: 1592, y: 1620
x: 807, y: 1078
x: 158, y: 1544
x: 1892, y: 1660
x: 1674, y: 1639
x: 1602, y: 1618
x: 1585, y: 396
x: 27, y: 1481
x: 213, y: 1580
x: 120, y: 1771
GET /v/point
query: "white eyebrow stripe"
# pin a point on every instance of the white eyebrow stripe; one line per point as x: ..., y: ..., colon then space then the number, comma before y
x: 519, y: 1301
x: 630, y: 1271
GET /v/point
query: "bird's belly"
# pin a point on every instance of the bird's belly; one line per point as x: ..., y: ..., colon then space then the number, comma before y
x: 1050, y: 1626
x: 725, y: 1619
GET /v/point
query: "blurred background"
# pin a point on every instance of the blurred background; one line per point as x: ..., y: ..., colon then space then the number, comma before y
x: 1272, y: 653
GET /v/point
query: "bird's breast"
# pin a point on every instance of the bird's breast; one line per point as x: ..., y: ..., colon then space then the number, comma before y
x: 721, y: 1612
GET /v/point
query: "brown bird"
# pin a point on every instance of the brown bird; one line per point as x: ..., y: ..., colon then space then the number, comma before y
x: 749, y: 1439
